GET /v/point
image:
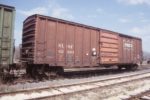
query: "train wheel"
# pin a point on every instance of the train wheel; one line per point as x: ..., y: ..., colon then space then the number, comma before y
x: 148, y: 62
x: 60, y: 71
x: 128, y: 67
x: 54, y: 72
x: 41, y: 72
x: 34, y: 73
x: 27, y: 70
x: 134, y: 67
x: 120, y: 67
x: 1, y: 76
x: 1, y: 71
x: 6, y: 77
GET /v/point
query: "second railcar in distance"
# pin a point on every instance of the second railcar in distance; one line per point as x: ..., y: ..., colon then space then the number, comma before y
x: 7, y: 17
x: 54, y: 43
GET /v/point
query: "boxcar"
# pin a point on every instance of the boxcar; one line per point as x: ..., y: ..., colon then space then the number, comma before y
x: 57, y: 43
x: 7, y: 14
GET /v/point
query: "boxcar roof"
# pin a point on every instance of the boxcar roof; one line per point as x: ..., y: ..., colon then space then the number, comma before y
x: 6, y: 6
x: 82, y: 25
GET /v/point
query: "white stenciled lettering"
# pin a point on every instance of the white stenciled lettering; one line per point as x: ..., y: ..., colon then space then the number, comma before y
x: 70, y: 46
x: 60, y: 45
x: 128, y: 45
x: 70, y: 52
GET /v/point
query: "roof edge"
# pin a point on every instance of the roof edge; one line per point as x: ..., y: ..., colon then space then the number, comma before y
x: 6, y: 6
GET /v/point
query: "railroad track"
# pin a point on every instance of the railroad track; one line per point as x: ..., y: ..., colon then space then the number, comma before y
x: 69, y: 74
x: 72, y: 74
x: 52, y: 91
x: 75, y: 77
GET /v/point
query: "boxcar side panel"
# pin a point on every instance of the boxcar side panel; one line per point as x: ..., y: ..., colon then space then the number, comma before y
x: 40, y: 41
x: 138, y: 49
x: 60, y: 43
x: 70, y: 46
x: 130, y: 50
x: 50, y: 42
x: 135, y: 50
x: 109, y: 47
x: 86, y: 47
x: 94, y: 47
x: 78, y: 46
x: 127, y: 49
x: 6, y: 34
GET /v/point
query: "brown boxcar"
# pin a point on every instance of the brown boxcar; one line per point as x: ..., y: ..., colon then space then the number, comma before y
x: 55, y: 42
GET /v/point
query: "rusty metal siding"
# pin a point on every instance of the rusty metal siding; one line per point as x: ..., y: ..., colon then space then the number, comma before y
x: 131, y: 50
x: 70, y: 46
x: 50, y: 42
x: 78, y: 46
x: 109, y: 47
x: 86, y: 47
x: 61, y: 43
x: 95, y: 46
x: 7, y: 14
x: 138, y: 51
x: 61, y: 32
x: 40, y: 41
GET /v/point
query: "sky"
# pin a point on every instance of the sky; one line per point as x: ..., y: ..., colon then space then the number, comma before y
x: 131, y: 17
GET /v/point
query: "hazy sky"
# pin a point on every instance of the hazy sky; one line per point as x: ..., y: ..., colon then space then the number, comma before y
x: 130, y: 17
